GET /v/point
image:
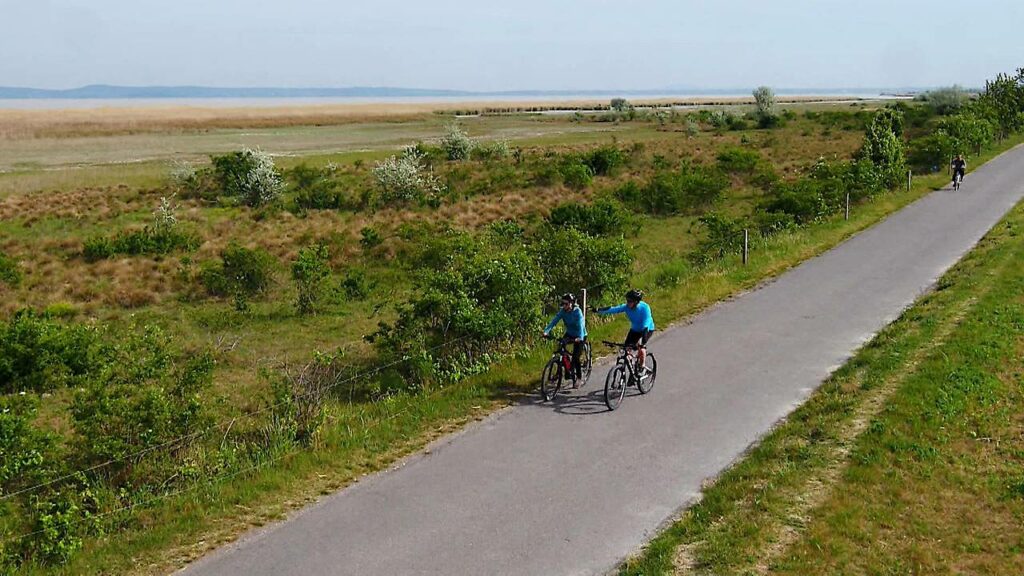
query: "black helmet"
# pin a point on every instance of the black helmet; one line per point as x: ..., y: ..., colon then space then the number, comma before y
x: 569, y: 297
x: 634, y: 295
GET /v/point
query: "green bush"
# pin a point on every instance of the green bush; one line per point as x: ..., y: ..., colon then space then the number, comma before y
x: 801, y: 200
x: 25, y: 450
x: 603, y: 217
x: 946, y: 101
x: 310, y: 270
x: 576, y: 174
x: 967, y: 132
x: 735, y: 160
x: 930, y: 153
x: 249, y: 175
x: 148, y: 241
x: 10, y: 272
x: 315, y: 189
x: 487, y: 297
x: 370, y: 238
x: 723, y: 235
x: 145, y: 396
x: 242, y: 273
x: 355, y: 285
x: 605, y: 161
x: 571, y: 260
x: 547, y: 174
x: 883, y: 146
x: 39, y: 354
x: 690, y: 188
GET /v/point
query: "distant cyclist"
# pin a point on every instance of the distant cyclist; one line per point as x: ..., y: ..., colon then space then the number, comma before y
x: 575, y: 332
x: 959, y: 167
x: 641, y: 323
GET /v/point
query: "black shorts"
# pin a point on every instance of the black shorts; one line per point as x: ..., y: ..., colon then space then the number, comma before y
x: 641, y: 338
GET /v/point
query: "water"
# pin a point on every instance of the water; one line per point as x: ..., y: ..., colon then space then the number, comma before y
x: 95, y: 103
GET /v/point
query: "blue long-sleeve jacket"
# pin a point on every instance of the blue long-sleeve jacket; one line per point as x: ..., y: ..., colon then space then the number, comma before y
x: 640, y: 318
x: 575, y: 323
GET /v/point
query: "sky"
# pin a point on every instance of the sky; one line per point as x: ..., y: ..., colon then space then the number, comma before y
x: 523, y: 45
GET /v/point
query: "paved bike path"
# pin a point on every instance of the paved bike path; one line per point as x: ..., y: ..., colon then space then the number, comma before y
x: 570, y: 488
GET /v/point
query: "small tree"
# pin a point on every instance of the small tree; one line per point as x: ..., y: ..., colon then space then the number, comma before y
x: 310, y: 270
x: 883, y: 145
x: 164, y: 218
x: 764, y: 97
x: 1003, y: 102
x: 945, y: 101
x: 456, y: 143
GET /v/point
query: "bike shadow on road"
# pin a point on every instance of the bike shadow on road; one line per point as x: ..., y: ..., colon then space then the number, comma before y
x: 583, y: 402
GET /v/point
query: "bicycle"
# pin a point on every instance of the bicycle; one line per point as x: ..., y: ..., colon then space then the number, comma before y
x: 559, y: 368
x: 626, y: 372
x: 957, y: 179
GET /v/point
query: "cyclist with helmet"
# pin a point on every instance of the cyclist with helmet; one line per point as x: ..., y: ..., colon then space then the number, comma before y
x: 641, y: 323
x: 575, y: 332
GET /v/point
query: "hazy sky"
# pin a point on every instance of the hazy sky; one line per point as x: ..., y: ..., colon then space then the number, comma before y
x: 526, y: 44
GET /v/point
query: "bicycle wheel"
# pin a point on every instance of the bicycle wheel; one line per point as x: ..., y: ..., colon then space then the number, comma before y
x: 646, y: 382
x: 551, y: 379
x: 615, y: 386
x: 587, y: 362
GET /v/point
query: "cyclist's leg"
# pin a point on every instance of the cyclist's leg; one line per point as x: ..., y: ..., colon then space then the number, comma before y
x: 641, y: 353
x: 577, y: 351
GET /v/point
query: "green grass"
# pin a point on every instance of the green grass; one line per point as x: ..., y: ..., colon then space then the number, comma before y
x: 909, y: 459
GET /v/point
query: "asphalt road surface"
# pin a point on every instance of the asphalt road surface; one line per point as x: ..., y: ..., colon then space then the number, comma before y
x: 570, y: 488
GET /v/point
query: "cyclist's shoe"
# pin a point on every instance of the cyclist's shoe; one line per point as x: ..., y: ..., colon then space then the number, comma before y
x: 575, y: 382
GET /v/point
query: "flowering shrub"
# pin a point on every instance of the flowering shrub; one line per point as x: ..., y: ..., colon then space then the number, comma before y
x: 456, y: 143
x: 250, y: 175
x: 404, y: 178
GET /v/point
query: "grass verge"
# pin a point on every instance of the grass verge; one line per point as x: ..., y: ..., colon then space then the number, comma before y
x: 909, y: 459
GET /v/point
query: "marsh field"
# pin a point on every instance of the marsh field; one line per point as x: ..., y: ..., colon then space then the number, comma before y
x: 208, y: 318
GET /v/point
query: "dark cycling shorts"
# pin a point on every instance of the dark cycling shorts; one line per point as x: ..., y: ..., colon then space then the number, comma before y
x: 634, y: 337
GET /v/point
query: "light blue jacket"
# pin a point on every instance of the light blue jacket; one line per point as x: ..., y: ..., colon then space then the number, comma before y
x: 640, y: 318
x: 575, y: 323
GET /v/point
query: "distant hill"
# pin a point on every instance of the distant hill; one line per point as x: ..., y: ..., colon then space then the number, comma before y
x: 102, y: 91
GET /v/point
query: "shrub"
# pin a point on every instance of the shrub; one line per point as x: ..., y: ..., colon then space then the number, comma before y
x: 137, y: 243
x: 242, y: 273
x: 723, y: 235
x: 601, y: 218
x: 883, y: 146
x: 310, y: 270
x: 25, y: 449
x: 575, y: 174
x: 370, y: 238
x: 604, y: 161
x: 315, y: 189
x: 946, y: 101
x: 39, y: 354
x: 736, y: 160
x: 765, y: 115
x: 620, y: 105
x: 355, y: 285
x: 801, y: 200
x: 298, y: 399
x: 10, y: 272
x: 456, y: 143
x: 405, y: 178
x: 966, y: 132
x: 487, y: 297
x: 144, y: 396
x: 691, y: 187
x: 249, y: 175
x: 547, y: 174
x: 929, y: 153
x: 571, y: 259
x: 57, y: 529
x: 493, y: 150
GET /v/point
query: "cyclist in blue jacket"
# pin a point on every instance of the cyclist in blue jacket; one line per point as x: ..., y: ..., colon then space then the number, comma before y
x: 641, y: 323
x: 575, y: 332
